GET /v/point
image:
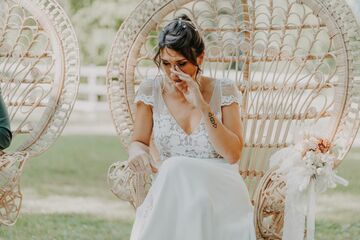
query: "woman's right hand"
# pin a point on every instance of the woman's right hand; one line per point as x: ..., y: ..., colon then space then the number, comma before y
x: 189, y: 87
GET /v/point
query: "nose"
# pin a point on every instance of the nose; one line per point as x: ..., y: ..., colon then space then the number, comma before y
x: 173, y: 76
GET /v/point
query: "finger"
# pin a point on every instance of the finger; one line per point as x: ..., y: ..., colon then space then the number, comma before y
x: 153, y: 169
x: 148, y: 169
x: 144, y: 164
x: 181, y: 74
x: 136, y: 166
x: 132, y: 166
x: 183, y: 89
x: 134, y: 163
x: 186, y: 78
x: 180, y: 71
x: 139, y: 167
x: 181, y: 86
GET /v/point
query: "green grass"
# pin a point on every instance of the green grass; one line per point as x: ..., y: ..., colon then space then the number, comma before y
x: 77, y: 166
x: 327, y: 230
x: 66, y: 227
x: 350, y: 170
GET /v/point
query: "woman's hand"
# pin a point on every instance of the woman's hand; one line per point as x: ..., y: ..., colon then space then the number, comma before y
x: 139, y: 164
x: 190, y: 88
x: 140, y: 159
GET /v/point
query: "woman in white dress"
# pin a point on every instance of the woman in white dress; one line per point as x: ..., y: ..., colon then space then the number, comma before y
x: 197, y: 193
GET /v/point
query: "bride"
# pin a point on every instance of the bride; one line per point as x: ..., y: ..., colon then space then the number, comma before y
x: 197, y: 193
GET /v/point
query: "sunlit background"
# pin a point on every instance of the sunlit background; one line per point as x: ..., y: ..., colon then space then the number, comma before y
x: 65, y: 190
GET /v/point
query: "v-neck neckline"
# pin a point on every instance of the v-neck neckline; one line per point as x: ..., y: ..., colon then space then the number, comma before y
x: 201, y: 118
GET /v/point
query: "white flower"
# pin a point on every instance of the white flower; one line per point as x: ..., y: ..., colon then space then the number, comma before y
x: 303, y: 162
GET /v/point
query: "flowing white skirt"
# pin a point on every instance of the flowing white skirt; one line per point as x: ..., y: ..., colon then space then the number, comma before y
x: 195, y: 199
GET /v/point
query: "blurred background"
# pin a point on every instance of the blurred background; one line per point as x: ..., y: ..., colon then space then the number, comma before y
x: 65, y: 190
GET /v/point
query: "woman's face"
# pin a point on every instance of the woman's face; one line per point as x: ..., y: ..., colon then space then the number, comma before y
x: 170, y: 58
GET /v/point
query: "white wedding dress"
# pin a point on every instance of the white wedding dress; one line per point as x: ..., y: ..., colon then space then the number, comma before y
x: 196, y: 194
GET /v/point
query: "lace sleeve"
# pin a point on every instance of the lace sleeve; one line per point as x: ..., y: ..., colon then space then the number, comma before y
x: 145, y: 92
x: 230, y: 93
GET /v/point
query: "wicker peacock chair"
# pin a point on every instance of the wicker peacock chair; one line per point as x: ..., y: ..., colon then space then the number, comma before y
x: 296, y: 63
x: 39, y: 79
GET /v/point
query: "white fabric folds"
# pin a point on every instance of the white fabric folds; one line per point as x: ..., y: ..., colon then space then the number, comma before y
x: 196, y: 199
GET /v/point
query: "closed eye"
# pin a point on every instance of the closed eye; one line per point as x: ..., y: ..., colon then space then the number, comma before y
x: 165, y: 63
x: 182, y: 64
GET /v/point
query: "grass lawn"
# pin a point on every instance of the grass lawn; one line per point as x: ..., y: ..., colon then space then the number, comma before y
x: 66, y: 227
x: 77, y: 166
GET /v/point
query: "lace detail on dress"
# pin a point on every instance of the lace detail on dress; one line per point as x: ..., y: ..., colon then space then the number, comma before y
x: 230, y: 93
x: 227, y: 100
x: 148, y: 100
x: 145, y: 92
x: 171, y: 140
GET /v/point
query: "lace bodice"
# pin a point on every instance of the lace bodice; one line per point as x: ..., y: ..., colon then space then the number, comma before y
x: 169, y: 138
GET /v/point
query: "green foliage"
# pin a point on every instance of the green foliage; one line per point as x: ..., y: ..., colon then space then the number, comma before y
x: 76, y: 5
x: 96, y: 25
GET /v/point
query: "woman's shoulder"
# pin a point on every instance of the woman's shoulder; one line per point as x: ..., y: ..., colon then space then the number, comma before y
x: 229, y: 91
x: 151, y: 81
x: 226, y: 82
x: 146, y: 83
x: 144, y: 92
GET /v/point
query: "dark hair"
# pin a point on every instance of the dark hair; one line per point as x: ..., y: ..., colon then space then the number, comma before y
x: 182, y: 36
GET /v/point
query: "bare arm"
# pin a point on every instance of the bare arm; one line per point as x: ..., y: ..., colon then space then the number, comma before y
x: 226, y: 137
x: 143, y: 126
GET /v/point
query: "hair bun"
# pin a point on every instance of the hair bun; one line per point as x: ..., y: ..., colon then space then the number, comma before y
x: 181, y: 35
x: 184, y: 17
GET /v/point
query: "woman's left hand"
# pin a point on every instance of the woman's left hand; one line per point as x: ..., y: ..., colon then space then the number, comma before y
x: 190, y: 88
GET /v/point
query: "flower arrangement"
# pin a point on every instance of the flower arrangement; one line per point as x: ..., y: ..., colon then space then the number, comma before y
x: 307, y: 167
x: 318, y: 157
